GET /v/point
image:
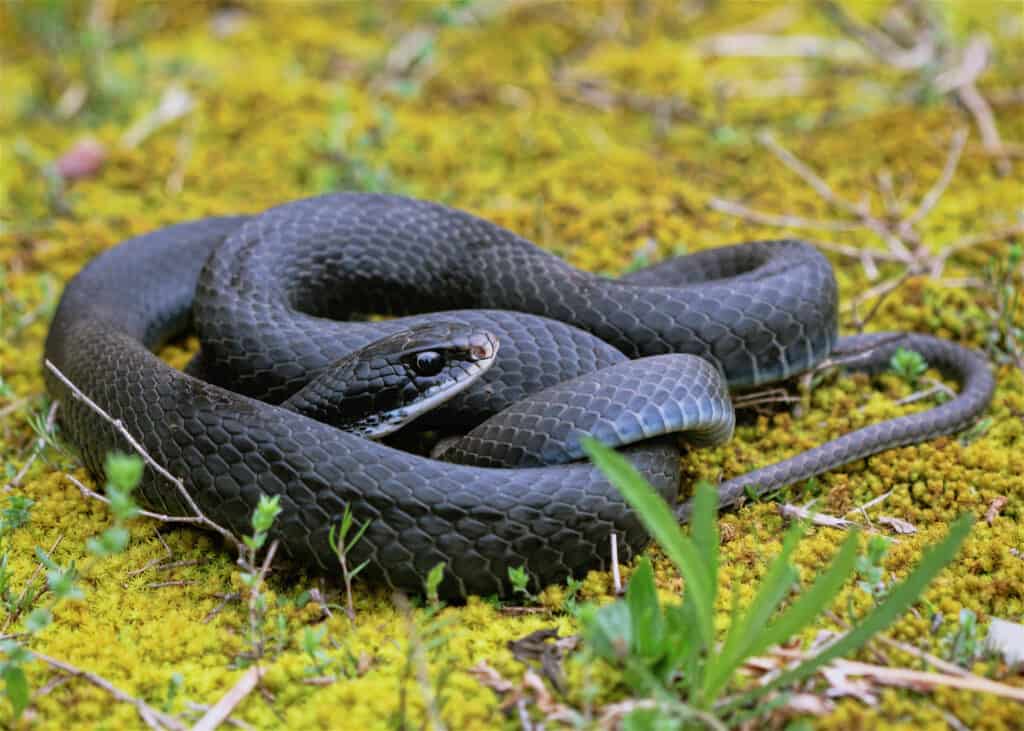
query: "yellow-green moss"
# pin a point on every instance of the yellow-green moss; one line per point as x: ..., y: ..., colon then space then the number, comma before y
x: 488, y: 129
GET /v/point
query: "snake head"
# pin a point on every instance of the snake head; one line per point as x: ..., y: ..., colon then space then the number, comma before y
x: 383, y: 386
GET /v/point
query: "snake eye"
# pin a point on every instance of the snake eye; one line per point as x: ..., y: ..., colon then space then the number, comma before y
x: 428, y: 363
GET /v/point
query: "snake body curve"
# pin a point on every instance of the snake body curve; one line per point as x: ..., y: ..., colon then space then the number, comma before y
x: 260, y: 288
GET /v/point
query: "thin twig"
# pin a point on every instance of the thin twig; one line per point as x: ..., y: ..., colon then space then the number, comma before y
x: 200, y: 517
x: 150, y: 716
x: 225, y: 600
x: 870, y: 503
x: 165, y: 566
x: 983, y: 117
x: 932, y: 197
x: 783, y: 221
x: 860, y: 323
x: 227, y: 703
x: 145, y: 513
x: 616, y: 576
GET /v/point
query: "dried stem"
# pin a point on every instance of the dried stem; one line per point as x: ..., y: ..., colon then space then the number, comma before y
x: 200, y: 518
x: 150, y: 716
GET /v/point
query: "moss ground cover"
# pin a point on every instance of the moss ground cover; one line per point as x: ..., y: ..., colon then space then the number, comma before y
x: 608, y: 133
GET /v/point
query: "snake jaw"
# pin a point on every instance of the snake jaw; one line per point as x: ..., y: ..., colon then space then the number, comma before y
x: 380, y: 388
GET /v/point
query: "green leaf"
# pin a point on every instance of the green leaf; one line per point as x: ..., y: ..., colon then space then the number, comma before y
x: 434, y: 579
x: 111, y: 541
x: 704, y: 531
x: 266, y: 513
x: 660, y: 522
x: 608, y: 630
x: 16, y: 688
x: 900, y: 598
x: 38, y: 619
x: 645, y: 613
x: 813, y: 601
x: 124, y: 471
x: 744, y: 632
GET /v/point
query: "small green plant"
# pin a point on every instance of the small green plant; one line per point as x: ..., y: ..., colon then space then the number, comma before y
x: 61, y: 582
x: 312, y: 645
x: 174, y: 684
x: 966, y: 645
x: 908, y: 365
x: 342, y: 545
x: 253, y: 575
x: 123, y: 474
x: 433, y: 583
x: 571, y: 605
x: 1004, y: 338
x: 520, y: 579
x: 671, y: 653
x: 870, y: 569
x: 426, y: 660
x: 16, y: 514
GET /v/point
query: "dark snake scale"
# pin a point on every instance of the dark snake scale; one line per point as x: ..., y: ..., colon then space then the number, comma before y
x: 264, y: 293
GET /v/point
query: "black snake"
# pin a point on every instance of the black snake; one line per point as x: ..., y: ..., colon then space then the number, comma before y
x: 260, y: 289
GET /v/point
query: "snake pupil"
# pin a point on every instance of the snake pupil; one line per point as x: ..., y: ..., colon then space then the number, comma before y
x: 428, y: 363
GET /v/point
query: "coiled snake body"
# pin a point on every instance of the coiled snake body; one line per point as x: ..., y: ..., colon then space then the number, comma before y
x: 260, y: 289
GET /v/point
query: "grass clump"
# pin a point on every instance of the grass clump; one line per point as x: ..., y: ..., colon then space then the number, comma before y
x: 671, y: 653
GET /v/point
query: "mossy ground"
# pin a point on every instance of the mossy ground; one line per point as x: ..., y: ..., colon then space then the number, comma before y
x: 291, y: 100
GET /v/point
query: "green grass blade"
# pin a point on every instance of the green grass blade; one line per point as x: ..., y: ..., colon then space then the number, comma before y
x: 704, y: 531
x: 812, y: 602
x: 899, y: 600
x: 645, y: 613
x: 743, y: 634
x: 661, y: 523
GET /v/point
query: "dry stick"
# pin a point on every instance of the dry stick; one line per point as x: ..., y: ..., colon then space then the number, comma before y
x: 201, y: 708
x: 938, y: 662
x: 254, y: 623
x: 616, y: 576
x: 823, y: 189
x: 784, y: 220
x: 958, y: 81
x: 890, y: 287
x: 227, y: 703
x: 152, y: 717
x: 200, y: 517
x: 145, y: 513
x: 879, y: 290
x: 969, y: 242
x: 870, y: 503
x: 979, y: 108
x: 932, y: 197
x: 165, y: 584
x: 157, y: 566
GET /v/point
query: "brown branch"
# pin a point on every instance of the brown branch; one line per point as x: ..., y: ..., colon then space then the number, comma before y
x: 200, y: 517
x: 145, y: 513
x: 220, y: 711
x: 782, y: 221
x: 932, y: 197
x: 824, y: 190
x: 150, y: 716
x: 979, y: 108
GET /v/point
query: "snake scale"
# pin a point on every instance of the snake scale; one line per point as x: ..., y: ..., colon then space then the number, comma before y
x: 265, y: 293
